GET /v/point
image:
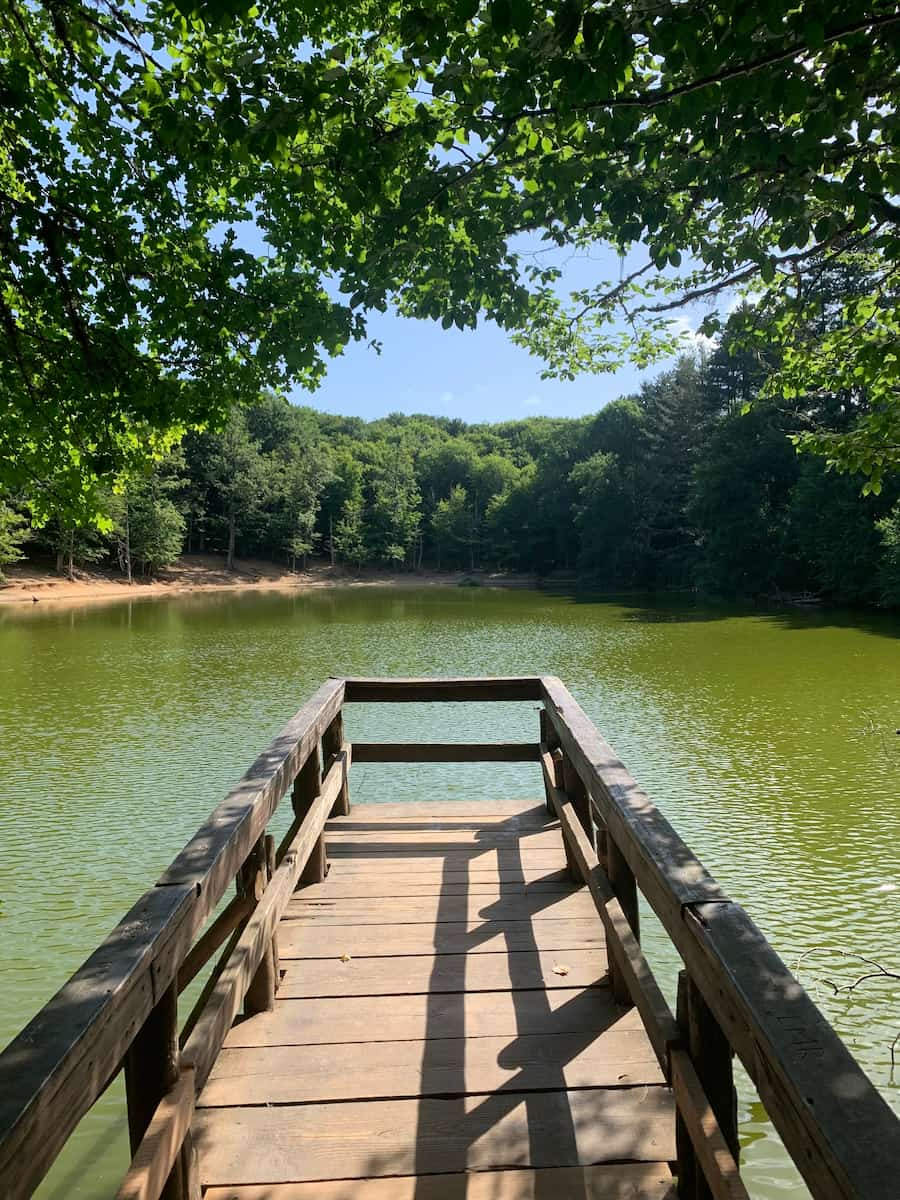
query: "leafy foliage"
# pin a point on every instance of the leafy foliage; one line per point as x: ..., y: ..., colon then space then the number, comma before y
x: 391, y: 154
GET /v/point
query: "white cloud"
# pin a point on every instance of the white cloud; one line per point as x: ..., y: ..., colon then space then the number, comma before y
x: 533, y: 401
x: 447, y: 400
x: 697, y: 340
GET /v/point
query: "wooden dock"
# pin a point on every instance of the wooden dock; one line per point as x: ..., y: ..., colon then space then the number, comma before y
x: 441, y: 1000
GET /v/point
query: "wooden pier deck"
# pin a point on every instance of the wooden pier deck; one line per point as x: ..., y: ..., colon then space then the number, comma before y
x: 444, y: 1008
x: 441, y: 1000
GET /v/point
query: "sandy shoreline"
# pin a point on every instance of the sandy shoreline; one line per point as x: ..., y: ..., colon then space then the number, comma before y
x: 33, y: 583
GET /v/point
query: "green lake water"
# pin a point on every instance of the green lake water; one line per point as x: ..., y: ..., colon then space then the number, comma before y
x: 768, y: 739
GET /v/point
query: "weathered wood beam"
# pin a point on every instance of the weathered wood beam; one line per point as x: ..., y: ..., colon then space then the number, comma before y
x: 214, y: 854
x: 497, y: 687
x: 840, y: 1132
x: 410, y: 752
x: 55, y: 1069
x: 621, y: 945
x: 161, y: 1145
x: 714, y: 1155
x: 212, y: 938
x: 211, y: 1028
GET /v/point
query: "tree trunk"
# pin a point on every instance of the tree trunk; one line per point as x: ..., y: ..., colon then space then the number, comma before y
x: 229, y: 561
x: 127, y: 544
x: 331, y: 536
x: 71, y: 568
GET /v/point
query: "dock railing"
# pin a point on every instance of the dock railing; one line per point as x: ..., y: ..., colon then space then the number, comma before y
x: 735, y: 997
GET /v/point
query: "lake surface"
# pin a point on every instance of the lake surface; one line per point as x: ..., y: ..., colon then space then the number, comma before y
x: 768, y: 739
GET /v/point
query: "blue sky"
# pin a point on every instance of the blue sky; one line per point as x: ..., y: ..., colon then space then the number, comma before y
x: 476, y: 375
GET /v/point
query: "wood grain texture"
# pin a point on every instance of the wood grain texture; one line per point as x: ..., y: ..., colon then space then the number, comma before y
x: 453, y: 814
x: 618, y: 1057
x: 161, y: 1144
x: 358, y: 886
x: 446, y: 840
x: 296, y: 940
x: 619, y: 1181
x: 431, y: 910
x: 409, y: 974
x: 422, y: 1017
x: 387, y: 857
x: 403, y: 1137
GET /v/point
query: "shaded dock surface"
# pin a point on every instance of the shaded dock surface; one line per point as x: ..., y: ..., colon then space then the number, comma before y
x: 444, y: 1008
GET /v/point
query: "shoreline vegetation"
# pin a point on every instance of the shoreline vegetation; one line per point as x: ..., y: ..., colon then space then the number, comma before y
x: 36, y: 582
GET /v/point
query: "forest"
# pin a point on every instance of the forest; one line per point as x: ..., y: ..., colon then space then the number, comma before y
x: 692, y: 484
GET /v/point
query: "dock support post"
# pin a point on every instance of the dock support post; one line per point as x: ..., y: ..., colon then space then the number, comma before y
x: 152, y: 1069
x: 712, y: 1057
x: 332, y: 743
x: 251, y: 882
x: 307, y: 786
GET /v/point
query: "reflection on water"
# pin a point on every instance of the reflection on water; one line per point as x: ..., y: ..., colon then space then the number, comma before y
x: 767, y: 739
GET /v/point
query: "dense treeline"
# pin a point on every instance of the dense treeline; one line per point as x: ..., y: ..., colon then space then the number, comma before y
x: 675, y: 487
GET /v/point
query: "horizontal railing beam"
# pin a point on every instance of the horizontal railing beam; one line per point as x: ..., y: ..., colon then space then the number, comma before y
x: 205, y: 1041
x: 445, y: 752
x: 218, y: 849
x: 413, y: 690
x: 838, y: 1129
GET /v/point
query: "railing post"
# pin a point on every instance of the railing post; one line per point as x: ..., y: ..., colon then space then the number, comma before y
x: 332, y: 743
x: 271, y: 866
x: 578, y: 794
x: 550, y: 739
x: 307, y: 787
x: 151, y: 1070
x: 251, y: 882
x: 712, y: 1056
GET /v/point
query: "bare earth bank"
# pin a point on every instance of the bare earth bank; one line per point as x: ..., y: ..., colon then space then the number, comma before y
x: 30, y: 583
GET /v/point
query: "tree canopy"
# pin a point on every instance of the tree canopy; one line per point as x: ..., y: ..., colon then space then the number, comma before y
x: 392, y: 155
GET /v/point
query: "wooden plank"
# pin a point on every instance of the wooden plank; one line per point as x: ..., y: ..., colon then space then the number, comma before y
x: 212, y: 857
x: 423, y: 1017
x: 621, y: 943
x: 442, y: 973
x: 209, y: 1032
x: 362, y: 817
x: 444, y: 752
x: 416, y: 858
x: 415, y: 690
x: 401, y: 1137
x: 713, y: 1152
x: 490, y: 810
x: 161, y: 1145
x: 296, y: 940
x: 359, y: 885
x: 55, y: 1069
x: 616, y: 1057
x: 620, y: 1181
x: 386, y: 874
x: 472, y: 840
x: 438, y: 909
x: 205, y: 947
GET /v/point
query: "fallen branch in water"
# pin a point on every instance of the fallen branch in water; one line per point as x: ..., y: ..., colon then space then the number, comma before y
x: 879, y: 972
